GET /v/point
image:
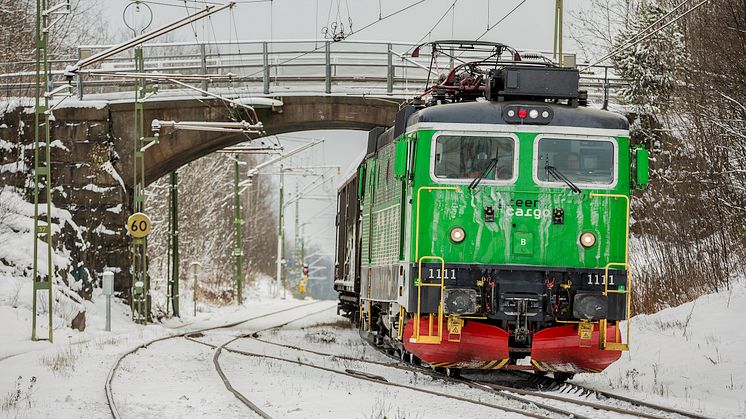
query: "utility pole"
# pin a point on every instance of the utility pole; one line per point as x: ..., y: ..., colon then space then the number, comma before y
x: 297, y: 227
x: 238, y: 223
x: 43, y: 173
x: 196, y: 269
x: 173, y: 244
x: 140, y: 291
x: 302, y: 246
x: 558, y: 16
x: 139, y: 246
x: 297, y: 216
x: 281, y: 232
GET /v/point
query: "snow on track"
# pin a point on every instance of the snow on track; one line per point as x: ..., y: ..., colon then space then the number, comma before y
x: 127, y: 369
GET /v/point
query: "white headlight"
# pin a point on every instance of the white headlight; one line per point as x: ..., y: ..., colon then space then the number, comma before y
x: 533, y: 114
x: 587, y: 239
x: 457, y: 234
x: 545, y: 114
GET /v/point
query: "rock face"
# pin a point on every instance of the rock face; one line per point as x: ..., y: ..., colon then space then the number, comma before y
x: 85, y: 181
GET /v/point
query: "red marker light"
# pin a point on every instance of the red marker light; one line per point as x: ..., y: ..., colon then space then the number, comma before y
x: 521, y: 113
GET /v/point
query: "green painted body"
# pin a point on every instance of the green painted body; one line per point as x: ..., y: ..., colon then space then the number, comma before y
x: 516, y: 237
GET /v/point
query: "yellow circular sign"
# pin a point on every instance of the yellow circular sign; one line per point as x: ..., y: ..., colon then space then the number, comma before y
x: 138, y: 225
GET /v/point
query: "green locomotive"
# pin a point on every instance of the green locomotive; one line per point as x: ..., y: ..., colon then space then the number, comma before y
x: 488, y: 227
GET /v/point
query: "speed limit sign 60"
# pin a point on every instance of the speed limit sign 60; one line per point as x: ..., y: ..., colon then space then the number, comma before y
x: 138, y: 225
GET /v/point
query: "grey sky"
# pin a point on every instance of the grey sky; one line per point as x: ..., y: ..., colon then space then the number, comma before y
x: 529, y: 27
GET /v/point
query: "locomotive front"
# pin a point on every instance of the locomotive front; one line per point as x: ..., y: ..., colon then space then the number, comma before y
x: 521, y: 220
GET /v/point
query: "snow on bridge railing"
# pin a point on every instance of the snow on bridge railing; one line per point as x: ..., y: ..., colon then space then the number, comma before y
x: 279, y: 67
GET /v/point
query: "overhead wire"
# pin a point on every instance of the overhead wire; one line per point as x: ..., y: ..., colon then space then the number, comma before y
x: 636, y: 40
x: 303, y: 54
x: 391, y: 15
x: 179, y: 3
x: 159, y: 3
x: 453, y: 22
x: 186, y: 7
x: 642, y: 32
x: 189, y: 92
x: 434, y: 26
x: 329, y: 15
x: 196, y: 37
x: 206, y: 31
x: 349, y: 16
x: 231, y: 86
x: 238, y: 43
x: 501, y: 19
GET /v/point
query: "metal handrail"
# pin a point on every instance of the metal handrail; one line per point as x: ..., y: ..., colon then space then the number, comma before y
x: 620, y: 346
x: 376, y: 67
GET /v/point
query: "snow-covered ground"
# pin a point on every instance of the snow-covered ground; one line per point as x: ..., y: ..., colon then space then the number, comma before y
x: 692, y: 357
x: 66, y: 379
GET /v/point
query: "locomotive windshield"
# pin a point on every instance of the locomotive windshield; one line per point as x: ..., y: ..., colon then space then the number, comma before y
x: 581, y: 161
x: 465, y: 157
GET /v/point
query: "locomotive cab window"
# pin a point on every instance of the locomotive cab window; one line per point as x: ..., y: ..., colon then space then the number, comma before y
x: 461, y: 158
x: 585, y: 162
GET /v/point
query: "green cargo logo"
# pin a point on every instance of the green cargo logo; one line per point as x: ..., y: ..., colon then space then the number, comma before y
x: 526, y: 208
x: 536, y: 213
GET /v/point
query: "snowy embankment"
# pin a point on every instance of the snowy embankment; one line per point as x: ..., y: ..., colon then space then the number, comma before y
x: 16, y: 267
x: 693, y: 356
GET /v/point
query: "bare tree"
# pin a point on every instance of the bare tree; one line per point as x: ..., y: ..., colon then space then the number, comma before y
x: 689, y: 226
x: 596, y: 25
x: 84, y: 24
x: 206, y: 228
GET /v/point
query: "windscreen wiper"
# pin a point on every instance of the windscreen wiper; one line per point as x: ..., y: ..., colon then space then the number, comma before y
x: 556, y: 174
x: 474, y: 183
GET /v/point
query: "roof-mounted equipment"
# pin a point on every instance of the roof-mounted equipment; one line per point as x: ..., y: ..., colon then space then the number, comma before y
x: 534, y: 83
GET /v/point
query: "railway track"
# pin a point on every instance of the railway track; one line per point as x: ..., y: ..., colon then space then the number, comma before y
x: 424, y: 371
x: 564, y: 398
x: 112, y: 371
x: 360, y: 375
x: 548, y: 384
x: 543, y: 387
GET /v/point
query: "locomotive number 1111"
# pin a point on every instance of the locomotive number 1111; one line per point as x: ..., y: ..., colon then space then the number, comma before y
x: 435, y: 274
x: 598, y: 277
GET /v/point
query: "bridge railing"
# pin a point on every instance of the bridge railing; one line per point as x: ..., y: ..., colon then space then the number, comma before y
x: 278, y: 67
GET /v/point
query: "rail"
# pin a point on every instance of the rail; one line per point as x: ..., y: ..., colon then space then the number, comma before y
x: 275, y: 67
